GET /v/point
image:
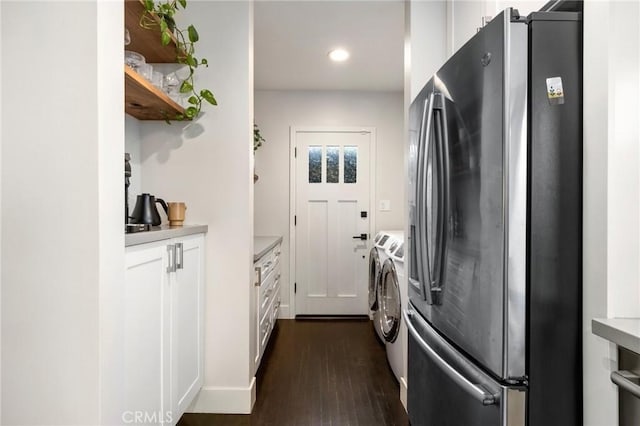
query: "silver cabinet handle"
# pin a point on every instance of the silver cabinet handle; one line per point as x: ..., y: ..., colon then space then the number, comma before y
x: 474, y: 390
x: 259, y: 272
x: 627, y: 380
x: 179, y: 256
x: 171, y: 251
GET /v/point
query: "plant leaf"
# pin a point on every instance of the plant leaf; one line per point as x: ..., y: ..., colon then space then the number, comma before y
x: 186, y: 87
x: 168, y: 9
x: 204, y: 61
x: 193, y: 34
x: 166, y: 38
x: 191, y: 61
x: 148, y: 5
x: 179, y: 117
x: 208, y: 96
x: 163, y: 25
x: 171, y: 23
x: 183, y: 3
x: 193, y: 100
x: 191, y: 112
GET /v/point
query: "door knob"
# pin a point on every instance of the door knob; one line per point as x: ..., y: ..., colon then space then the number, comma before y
x: 362, y: 237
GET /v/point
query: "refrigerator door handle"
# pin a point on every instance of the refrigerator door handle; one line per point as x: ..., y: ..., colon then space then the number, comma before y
x: 421, y: 213
x: 475, y: 390
x: 627, y: 381
x: 443, y: 196
x: 423, y: 231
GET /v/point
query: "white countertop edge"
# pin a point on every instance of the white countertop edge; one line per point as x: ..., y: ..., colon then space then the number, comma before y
x: 262, y: 245
x: 164, y: 232
x: 623, y: 332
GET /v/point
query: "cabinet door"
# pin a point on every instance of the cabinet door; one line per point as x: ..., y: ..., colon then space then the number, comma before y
x: 187, y: 311
x: 146, y: 334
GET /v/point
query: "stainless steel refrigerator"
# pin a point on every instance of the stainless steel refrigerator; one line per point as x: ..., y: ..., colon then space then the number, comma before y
x: 495, y: 206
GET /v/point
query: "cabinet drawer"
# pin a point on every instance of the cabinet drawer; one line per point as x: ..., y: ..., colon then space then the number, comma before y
x: 268, y: 290
x: 265, y: 329
x: 276, y: 300
x: 268, y: 263
x: 276, y: 254
x: 265, y: 265
x: 265, y: 295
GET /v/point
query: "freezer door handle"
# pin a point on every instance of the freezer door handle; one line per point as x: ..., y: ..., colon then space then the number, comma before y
x: 425, y: 275
x: 475, y: 390
x: 442, y: 181
x: 628, y: 381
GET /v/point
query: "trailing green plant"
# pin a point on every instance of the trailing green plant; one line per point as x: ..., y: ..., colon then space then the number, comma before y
x: 185, y: 49
x: 257, y: 138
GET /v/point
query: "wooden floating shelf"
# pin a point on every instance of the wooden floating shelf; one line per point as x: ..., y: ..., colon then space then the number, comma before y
x: 144, y: 101
x: 146, y: 41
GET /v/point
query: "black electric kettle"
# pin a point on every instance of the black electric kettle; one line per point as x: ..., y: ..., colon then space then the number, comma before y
x: 145, y: 210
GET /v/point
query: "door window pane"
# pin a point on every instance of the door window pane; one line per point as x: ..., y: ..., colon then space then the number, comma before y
x: 333, y: 164
x: 350, y: 164
x: 315, y: 164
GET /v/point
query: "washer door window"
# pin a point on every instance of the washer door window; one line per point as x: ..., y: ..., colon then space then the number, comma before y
x: 389, y: 302
x: 374, y: 273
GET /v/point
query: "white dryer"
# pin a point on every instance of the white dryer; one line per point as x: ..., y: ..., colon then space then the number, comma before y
x: 377, y: 256
x: 392, y: 298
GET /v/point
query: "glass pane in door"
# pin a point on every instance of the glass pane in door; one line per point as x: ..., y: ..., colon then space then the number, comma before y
x: 350, y: 164
x: 333, y: 164
x: 315, y: 164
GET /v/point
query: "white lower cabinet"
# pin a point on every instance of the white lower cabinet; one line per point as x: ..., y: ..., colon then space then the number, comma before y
x: 268, y: 299
x: 163, y: 335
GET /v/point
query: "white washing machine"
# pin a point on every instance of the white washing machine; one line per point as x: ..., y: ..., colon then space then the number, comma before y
x: 392, y: 298
x: 377, y: 256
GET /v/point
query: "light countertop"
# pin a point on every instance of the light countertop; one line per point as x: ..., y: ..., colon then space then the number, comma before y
x: 165, y: 232
x: 262, y: 245
x: 623, y: 332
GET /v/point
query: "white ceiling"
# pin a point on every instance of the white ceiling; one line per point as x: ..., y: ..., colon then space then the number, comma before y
x: 292, y: 39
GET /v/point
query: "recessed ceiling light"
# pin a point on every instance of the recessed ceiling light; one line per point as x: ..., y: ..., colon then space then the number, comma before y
x: 339, y: 55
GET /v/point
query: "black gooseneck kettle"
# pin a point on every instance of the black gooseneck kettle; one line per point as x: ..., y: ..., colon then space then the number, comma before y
x: 145, y: 210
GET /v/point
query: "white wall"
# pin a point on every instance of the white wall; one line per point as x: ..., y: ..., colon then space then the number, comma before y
x: 61, y: 211
x: 209, y: 165
x: 611, y: 190
x: 427, y: 22
x: 276, y: 111
x: 623, y: 192
x: 464, y: 17
x: 599, y: 357
x: 110, y: 142
x: 0, y: 218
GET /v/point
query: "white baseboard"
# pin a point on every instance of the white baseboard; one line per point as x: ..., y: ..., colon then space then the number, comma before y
x: 223, y: 400
x: 285, y: 312
x: 403, y: 392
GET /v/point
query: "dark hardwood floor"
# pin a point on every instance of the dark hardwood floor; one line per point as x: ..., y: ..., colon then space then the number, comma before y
x: 320, y: 372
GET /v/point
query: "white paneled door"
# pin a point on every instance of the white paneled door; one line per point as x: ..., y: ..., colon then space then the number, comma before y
x: 332, y: 217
